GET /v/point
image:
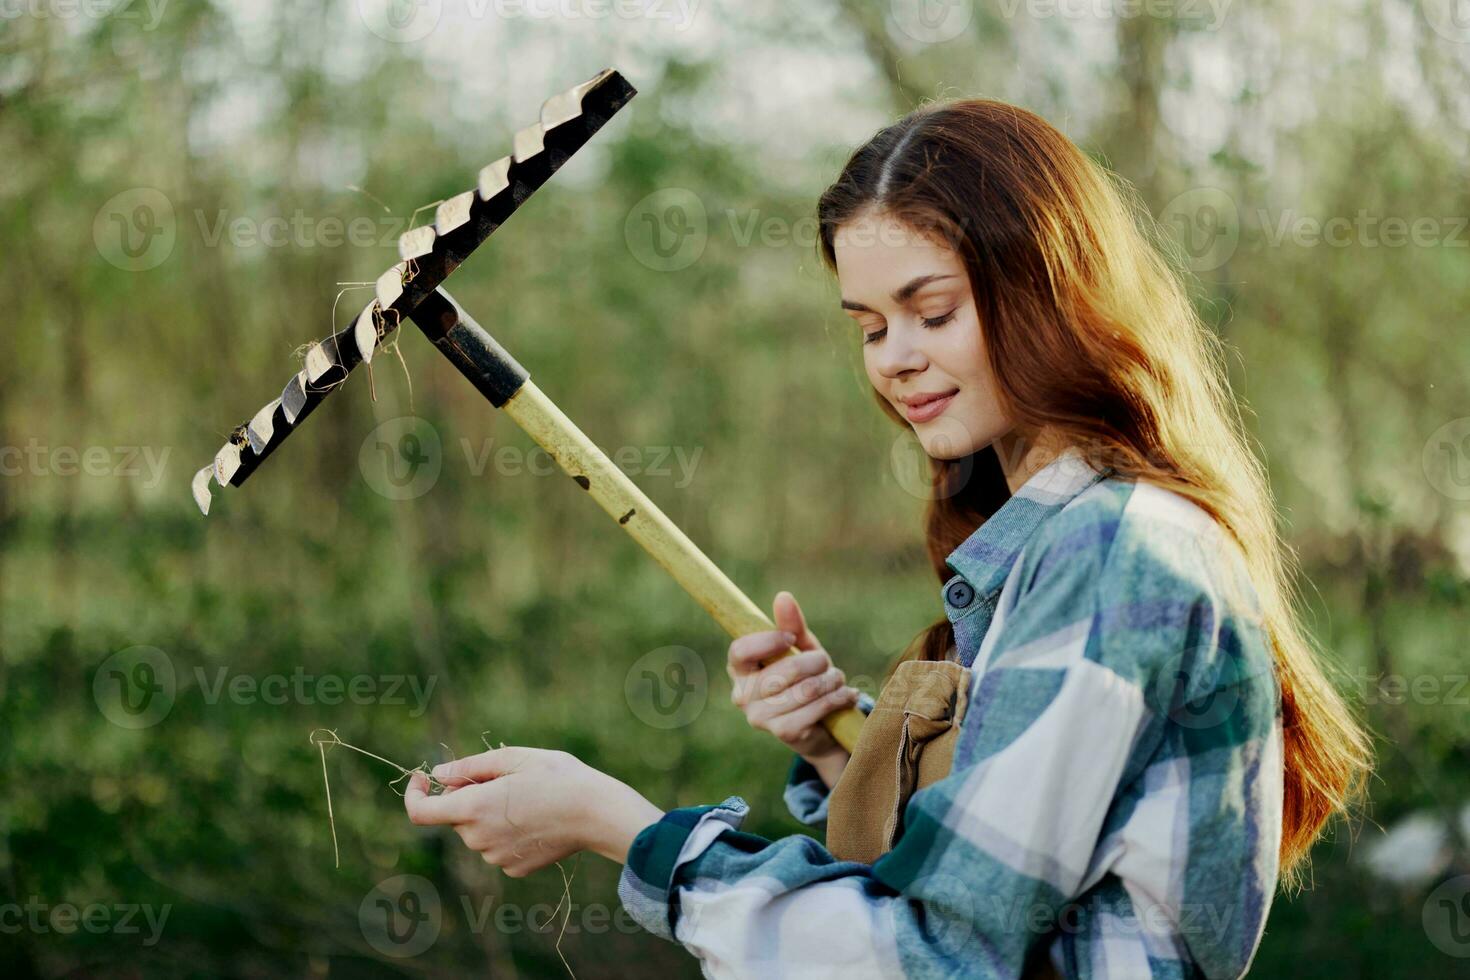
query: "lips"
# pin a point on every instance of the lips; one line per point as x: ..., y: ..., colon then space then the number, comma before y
x: 917, y: 401
x: 922, y: 408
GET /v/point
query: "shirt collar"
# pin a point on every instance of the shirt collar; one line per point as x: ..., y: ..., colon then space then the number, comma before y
x: 985, y: 558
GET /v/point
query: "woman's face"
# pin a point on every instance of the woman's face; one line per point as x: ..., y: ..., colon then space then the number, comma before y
x: 911, y: 299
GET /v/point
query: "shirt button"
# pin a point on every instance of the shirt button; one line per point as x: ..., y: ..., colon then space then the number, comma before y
x: 959, y: 594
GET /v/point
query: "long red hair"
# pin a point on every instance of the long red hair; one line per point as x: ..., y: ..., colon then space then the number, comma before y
x: 1091, y: 334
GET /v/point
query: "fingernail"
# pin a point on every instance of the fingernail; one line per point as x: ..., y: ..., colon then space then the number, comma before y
x: 790, y: 638
x: 439, y: 770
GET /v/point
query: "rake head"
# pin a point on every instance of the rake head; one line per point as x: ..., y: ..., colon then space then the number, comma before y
x: 427, y: 254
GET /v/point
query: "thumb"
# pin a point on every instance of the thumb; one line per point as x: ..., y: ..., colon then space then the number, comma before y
x: 478, y: 768
x: 790, y: 619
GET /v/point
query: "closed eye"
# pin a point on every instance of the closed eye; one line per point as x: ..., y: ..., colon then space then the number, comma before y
x: 932, y: 323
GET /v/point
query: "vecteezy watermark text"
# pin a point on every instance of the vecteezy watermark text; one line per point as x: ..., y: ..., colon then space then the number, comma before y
x: 124, y: 461
x: 402, y: 916
x: 309, y: 689
x: 97, y: 918
x: 300, y: 230
x: 1208, y: 14
x: 148, y: 12
x: 137, y: 687
x: 512, y: 460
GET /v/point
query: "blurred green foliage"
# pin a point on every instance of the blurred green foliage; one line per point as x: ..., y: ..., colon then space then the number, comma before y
x: 514, y: 596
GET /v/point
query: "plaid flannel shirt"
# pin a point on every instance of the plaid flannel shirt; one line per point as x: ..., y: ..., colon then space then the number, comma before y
x: 1115, y: 797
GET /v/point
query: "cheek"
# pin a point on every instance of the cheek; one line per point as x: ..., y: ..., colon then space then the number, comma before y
x: 875, y: 377
x: 962, y: 353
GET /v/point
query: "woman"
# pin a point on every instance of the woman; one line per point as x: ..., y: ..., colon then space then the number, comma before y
x: 1130, y: 741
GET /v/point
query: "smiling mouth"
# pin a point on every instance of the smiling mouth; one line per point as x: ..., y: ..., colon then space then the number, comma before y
x: 922, y: 411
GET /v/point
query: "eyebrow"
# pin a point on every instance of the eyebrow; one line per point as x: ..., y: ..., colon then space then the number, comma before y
x: 901, y: 295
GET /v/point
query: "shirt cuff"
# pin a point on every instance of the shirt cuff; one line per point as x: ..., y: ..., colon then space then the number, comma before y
x: 646, y: 885
x: 806, y: 795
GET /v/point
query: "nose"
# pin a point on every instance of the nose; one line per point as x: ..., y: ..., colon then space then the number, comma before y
x: 897, y: 355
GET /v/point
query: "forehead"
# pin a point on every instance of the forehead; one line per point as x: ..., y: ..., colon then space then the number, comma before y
x: 876, y: 253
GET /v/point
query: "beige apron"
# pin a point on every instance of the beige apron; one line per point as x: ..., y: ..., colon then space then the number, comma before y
x: 907, y: 742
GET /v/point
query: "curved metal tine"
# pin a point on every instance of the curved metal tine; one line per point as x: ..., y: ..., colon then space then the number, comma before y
x: 319, y: 362
x: 365, y: 332
x: 495, y: 178
x: 293, y: 397
x: 199, y: 486
x: 416, y: 242
x: 389, y: 285
x: 566, y: 106
x: 453, y: 213
x: 262, y: 427
x: 226, y: 463
x: 328, y: 362
x: 528, y: 142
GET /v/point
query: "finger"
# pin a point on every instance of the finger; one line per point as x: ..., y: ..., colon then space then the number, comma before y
x: 793, y: 723
x: 748, y: 651
x: 801, y: 693
x: 770, y: 681
x: 481, y: 767
x: 789, y: 617
x: 808, y: 689
x: 418, y: 789
x: 426, y: 810
x: 773, y: 681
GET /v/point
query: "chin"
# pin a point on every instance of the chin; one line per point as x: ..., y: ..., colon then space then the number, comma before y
x: 950, y: 437
x: 941, y: 445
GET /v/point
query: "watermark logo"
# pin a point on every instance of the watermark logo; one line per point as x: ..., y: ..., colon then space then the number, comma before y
x: 668, y: 230
x: 667, y: 687
x: 1206, y: 223
x: 950, y: 915
x: 135, y: 688
x: 1446, y: 459
x: 909, y: 461
x: 1205, y: 695
x: 135, y: 230
x: 932, y: 21
x: 401, y: 459
x: 1446, y: 917
x: 1450, y: 19
x: 401, y: 21
x: 401, y: 916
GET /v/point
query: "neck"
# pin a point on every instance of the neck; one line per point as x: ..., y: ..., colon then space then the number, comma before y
x: 1022, y: 456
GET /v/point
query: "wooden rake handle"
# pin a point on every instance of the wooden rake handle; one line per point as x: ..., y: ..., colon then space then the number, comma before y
x: 506, y: 384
